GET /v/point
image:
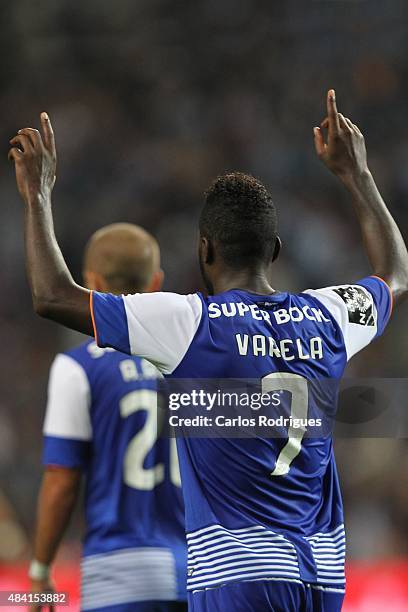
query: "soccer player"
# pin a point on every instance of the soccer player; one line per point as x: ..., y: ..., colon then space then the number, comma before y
x: 101, y: 422
x: 264, y: 516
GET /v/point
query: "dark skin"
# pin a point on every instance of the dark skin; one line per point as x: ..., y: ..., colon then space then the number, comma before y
x: 55, y: 294
x: 56, y: 501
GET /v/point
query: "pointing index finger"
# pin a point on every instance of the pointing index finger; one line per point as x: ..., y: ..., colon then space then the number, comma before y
x: 333, y: 115
x: 48, y: 133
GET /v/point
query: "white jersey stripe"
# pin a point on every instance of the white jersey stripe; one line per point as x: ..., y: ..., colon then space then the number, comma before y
x: 192, y: 537
x: 271, y: 579
x: 328, y: 550
x: 245, y: 544
x: 287, y: 559
x: 249, y: 575
x: 254, y: 563
x: 328, y: 534
x: 129, y: 575
x: 244, y: 552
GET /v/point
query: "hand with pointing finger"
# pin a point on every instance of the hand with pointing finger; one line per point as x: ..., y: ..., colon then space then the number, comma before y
x: 35, y: 160
x: 344, y: 153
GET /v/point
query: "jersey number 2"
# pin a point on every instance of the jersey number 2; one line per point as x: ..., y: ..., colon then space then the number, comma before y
x: 134, y: 474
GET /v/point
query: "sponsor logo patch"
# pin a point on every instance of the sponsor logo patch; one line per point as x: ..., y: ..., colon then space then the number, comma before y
x: 359, y: 304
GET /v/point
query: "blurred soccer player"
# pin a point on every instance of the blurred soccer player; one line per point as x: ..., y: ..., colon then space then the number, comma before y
x: 101, y: 421
x: 264, y: 516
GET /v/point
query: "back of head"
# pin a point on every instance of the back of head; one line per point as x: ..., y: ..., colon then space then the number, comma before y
x: 240, y: 218
x: 122, y: 258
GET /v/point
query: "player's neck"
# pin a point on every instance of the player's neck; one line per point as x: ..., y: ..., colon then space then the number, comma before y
x: 247, y: 280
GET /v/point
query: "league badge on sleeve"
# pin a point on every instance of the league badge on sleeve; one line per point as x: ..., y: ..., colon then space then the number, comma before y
x: 359, y: 304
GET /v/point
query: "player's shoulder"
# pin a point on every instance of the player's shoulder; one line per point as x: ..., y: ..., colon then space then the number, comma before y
x: 95, y: 368
x: 86, y: 356
x: 87, y: 352
x: 69, y: 368
x: 164, y: 311
x: 162, y: 301
x: 91, y: 357
x: 361, y: 309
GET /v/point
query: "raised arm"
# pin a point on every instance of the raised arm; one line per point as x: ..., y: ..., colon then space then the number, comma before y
x: 55, y: 294
x: 344, y: 154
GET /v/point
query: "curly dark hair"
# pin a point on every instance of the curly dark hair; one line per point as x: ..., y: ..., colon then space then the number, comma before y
x: 240, y: 217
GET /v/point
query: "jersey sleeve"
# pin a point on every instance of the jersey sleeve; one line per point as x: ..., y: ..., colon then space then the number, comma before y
x: 156, y: 326
x: 362, y: 310
x: 67, y: 426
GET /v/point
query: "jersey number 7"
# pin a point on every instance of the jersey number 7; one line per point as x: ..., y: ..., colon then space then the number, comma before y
x: 296, y: 385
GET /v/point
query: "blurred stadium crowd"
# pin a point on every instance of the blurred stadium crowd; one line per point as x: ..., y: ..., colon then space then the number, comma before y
x: 150, y: 99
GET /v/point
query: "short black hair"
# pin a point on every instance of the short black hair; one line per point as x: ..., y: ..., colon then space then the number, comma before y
x: 240, y: 216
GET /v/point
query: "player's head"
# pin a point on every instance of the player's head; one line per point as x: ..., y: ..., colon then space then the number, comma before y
x: 122, y: 258
x: 238, y: 227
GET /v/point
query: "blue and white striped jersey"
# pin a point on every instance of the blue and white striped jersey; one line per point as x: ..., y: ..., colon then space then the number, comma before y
x: 102, y: 418
x: 255, y: 507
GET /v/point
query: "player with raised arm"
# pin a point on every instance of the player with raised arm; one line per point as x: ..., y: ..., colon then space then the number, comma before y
x: 264, y: 516
x: 101, y: 422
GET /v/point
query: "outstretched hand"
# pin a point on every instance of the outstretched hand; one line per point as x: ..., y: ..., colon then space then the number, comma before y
x: 344, y: 153
x: 35, y: 160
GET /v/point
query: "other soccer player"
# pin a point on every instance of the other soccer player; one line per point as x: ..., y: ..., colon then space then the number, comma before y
x: 101, y: 422
x: 264, y: 516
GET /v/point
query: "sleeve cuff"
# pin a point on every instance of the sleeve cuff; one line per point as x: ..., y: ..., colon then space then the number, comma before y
x: 389, y: 291
x: 61, y: 452
x: 109, y: 321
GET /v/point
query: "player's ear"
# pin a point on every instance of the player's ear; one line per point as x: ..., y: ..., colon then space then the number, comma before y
x: 157, y: 282
x: 95, y: 281
x: 277, y: 249
x: 91, y: 280
x: 206, y: 250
